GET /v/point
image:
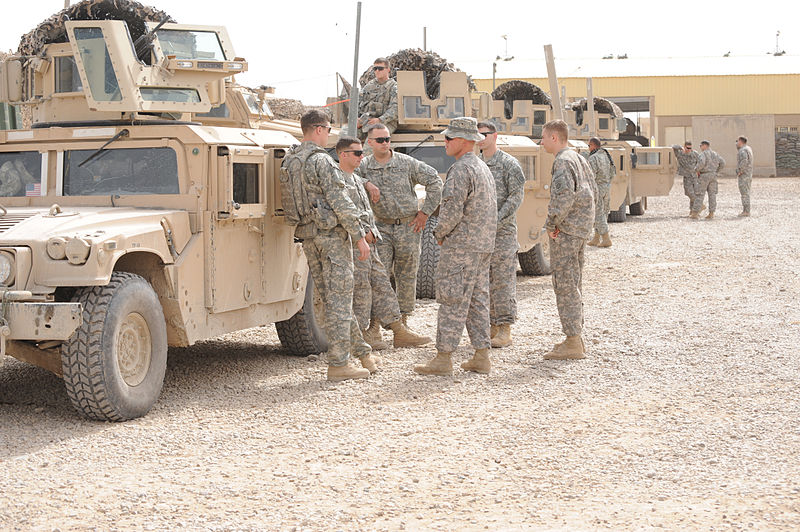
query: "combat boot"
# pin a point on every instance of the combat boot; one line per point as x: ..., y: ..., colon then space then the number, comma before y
x: 702, y: 208
x: 595, y: 239
x: 372, y: 335
x: 744, y: 214
x: 348, y: 371
x: 694, y: 216
x: 404, y: 319
x: 492, y: 331
x: 710, y: 216
x: 371, y: 362
x: 606, y: 243
x: 479, y: 363
x: 571, y: 349
x: 441, y: 364
x: 503, y: 336
x: 405, y: 337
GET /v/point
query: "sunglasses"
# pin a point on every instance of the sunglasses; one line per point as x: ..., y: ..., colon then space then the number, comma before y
x: 379, y: 68
x: 487, y: 133
x: 323, y: 125
x: 448, y: 139
x: 381, y: 140
x: 357, y: 153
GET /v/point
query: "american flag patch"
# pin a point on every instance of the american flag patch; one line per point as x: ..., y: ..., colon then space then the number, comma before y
x: 34, y: 189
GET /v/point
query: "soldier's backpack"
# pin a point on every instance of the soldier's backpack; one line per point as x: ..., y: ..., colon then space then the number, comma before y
x: 294, y: 197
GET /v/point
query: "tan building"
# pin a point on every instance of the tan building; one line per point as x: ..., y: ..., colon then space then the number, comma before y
x: 712, y: 98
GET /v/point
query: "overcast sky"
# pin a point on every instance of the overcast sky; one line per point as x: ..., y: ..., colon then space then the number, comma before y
x: 299, y: 46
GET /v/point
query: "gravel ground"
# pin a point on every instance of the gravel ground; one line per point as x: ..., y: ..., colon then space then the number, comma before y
x: 686, y: 414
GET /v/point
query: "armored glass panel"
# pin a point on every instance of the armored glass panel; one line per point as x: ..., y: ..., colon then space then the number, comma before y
x: 602, y: 123
x: 253, y: 104
x: 121, y: 171
x: 155, y: 94
x: 453, y: 108
x: 219, y: 111
x: 413, y: 108
x: 97, y: 65
x: 539, y: 117
x: 500, y: 124
x: 652, y: 158
x: 184, y: 44
x: 528, y: 164
x: 432, y: 155
x: 67, y: 77
x: 521, y: 125
x: 20, y: 173
x: 622, y: 125
x: 245, y: 183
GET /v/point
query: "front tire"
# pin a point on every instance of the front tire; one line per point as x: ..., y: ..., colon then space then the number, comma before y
x: 536, y: 261
x: 618, y: 216
x: 636, y: 209
x: 114, y: 363
x: 303, y: 334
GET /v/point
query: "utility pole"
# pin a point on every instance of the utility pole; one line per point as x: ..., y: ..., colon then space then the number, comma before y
x: 558, y: 108
x: 66, y: 4
x: 352, y: 116
x: 425, y: 38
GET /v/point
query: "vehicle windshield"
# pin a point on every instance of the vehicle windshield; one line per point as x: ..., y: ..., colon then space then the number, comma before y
x: 121, y: 171
x: 252, y: 104
x: 20, y: 174
x: 184, y: 44
x: 432, y: 155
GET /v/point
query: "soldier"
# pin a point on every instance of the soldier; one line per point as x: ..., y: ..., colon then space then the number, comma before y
x: 466, y: 231
x: 390, y: 179
x: 603, y: 167
x: 687, y: 160
x: 509, y: 184
x: 328, y: 222
x: 708, y: 164
x: 570, y: 216
x: 377, y: 101
x: 372, y: 291
x: 13, y: 178
x: 744, y: 171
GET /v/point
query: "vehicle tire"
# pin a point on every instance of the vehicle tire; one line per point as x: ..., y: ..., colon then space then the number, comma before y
x: 303, y: 334
x: 114, y: 363
x: 428, y: 260
x: 636, y: 209
x: 617, y: 216
x: 536, y: 261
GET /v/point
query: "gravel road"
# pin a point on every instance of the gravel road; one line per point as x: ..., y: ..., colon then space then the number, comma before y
x: 686, y: 414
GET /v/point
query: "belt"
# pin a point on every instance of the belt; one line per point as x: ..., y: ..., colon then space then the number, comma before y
x: 395, y: 221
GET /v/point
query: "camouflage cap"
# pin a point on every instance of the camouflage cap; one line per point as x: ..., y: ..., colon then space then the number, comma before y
x: 464, y: 127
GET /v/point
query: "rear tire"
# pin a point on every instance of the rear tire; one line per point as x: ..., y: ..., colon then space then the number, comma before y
x: 636, y: 209
x: 617, y: 216
x: 303, y: 334
x: 536, y: 261
x: 428, y: 260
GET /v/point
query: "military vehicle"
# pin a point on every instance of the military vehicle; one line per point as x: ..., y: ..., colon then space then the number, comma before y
x: 125, y: 227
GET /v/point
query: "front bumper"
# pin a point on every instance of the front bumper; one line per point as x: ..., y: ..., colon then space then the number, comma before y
x: 35, y: 321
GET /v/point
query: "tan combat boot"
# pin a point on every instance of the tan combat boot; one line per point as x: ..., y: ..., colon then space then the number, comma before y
x: 744, y: 214
x: 595, y: 239
x: 372, y: 335
x: 710, y: 216
x: 405, y: 337
x: 606, y: 243
x: 348, y: 371
x: 404, y: 319
x: 694, y: 216
x: 479, y: 363
x: 702, y: 208
x: 371, y: 362
x: 571, y: 349
x: 493, y: 331
x: 441, y: 364
x: 503, y: 336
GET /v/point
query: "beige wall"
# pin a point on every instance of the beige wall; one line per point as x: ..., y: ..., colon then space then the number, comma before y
x: 722, y: 131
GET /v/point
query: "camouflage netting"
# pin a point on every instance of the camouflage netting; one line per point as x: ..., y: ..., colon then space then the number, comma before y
x: 601, y: 105
x: 52, y: 30
x: 519, y: 90
x: 430, y: 63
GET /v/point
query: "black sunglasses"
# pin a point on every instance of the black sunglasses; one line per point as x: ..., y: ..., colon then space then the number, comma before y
x: 487, y: 133
x: 448, y: 139
x: 379, y: 68
x: 381, y: 140
x: 357, y: 153
x: 323, y: 125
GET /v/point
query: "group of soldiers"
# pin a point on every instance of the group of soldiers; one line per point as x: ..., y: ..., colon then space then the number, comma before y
x: 700, y: 170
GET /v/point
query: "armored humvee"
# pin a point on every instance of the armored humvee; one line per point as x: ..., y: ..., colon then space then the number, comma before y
x: 125, y: 227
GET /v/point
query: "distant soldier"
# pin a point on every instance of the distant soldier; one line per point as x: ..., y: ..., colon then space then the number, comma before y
x: 604, y: 169
x: 509, y: 184
x: 390, y: 179
x: 377, y: 101
x: 687, y: 161
x: 744, y: 171
x: 372, y: 291
x: 466, y: 231
x: 708, y: 165
x: 328, y: 221
x: 570, y: 216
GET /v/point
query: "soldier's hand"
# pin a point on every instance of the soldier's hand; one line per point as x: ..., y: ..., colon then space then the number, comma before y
x: 419, y: 221
x: 363, y: 249
x: 373, y: 191
x: 373, y: 121
x: 554, y: 234
x: 369, y: 237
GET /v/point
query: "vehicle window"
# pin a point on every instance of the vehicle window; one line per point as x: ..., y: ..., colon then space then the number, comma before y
x: 245, y: 183
x: 67, y: 77
x: 121, y: 171
x: 603, y: 123
x: 20, y: 174
x: 528, y: 164
x: 539, y: 117
x: 649, y: 158
x: 453, y: 108
x: 156, y: 94
x: 253, y: 105
x: 97, y: 65
x: 219, y: 111
x: 432, y: 155
x: 184, y: 44
x: 413, y: 108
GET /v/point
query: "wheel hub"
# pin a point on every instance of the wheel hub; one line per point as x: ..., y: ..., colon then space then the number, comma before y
x: 134, y: 349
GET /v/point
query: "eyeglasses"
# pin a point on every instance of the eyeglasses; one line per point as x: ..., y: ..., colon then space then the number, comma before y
x: 381, y: 140
x: 357, y: 153
x: 448, y: 139
x: 379, y: 68
x: 487, y: 133
x: 325, y: 126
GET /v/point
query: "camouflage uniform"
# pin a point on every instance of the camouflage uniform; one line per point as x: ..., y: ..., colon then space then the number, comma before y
x: 571, y: 211
x: 467, y: 228
x: 708, y: 164
x: 744, y: 171
x: 509, y: 184
x: 686, y: 168
x: 379, y: 101
x: 326, y: 235
x: 372, y: 290
x: 397, y: 207
x: 600, y: 163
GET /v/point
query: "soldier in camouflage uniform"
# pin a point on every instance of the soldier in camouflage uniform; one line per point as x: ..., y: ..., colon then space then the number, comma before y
x: 466, y: 231
x: 13, y: 179
x: 744, y: 171
x: 603, y: 167
x: 687, y: 160
x: 509, y: 188
x: 708, y: 165
x: 372, y: 291
x: 377, y: 101
x: 390, y: 178
x: 326, y: 231
x: 570, y: 216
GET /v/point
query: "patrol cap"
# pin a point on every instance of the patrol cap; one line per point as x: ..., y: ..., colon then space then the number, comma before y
x: 464, y: 127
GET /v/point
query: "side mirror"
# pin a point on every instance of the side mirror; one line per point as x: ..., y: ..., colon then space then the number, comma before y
x: 11, y: 81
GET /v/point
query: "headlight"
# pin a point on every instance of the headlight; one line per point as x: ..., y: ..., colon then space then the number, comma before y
x: 57, y: 248
x: 6, y: 268
x: 78, y: 250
